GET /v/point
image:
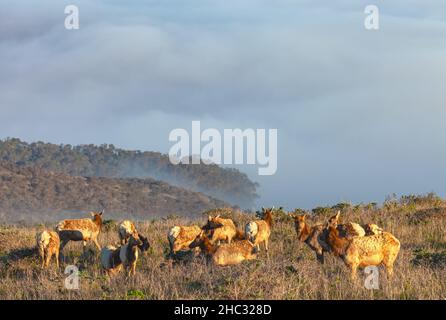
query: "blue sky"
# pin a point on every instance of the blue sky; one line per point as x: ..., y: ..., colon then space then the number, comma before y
x: 360, y: 114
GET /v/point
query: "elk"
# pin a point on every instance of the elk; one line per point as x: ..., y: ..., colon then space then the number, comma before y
x: 145, y: 244
x: 316, y: 236
x: 313, y: 236
x: 48, y: 244
x: 373, y: 250
x: 258, y: 231
x: 372, y: 229
x: 113, y: 259
x: 125, y: 229
x: 226, y: 254
x: 110, y: 260
x: 129, y: 254
x: 80, y: 230
x: 219, y: 229
x: 180, y: 237
x: 349, y: 229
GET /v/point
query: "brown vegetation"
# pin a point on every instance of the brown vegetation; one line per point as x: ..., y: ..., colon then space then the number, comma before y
x: 107, y: 161
x: 36, y: 195
x: 292, y: 272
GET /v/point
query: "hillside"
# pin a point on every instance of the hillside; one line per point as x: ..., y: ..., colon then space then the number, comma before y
x: 228, y: 184
x: 34, y: 194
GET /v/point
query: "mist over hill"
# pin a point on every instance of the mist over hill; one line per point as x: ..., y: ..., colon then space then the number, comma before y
x: 107, y: 161
x: 34, y: 194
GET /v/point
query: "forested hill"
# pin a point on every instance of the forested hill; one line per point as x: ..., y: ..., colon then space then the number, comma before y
x: 227, y: 184
x: 34, y: 194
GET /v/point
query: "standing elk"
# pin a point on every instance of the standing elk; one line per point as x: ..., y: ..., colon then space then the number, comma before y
x: 129, y: 254
x: 114, y: 259
x: 125, y: 230
x: 313, y: 236
x: 259, y: 231
x: 373, y: 250
x: 80, y: 230
x: 48, y: 244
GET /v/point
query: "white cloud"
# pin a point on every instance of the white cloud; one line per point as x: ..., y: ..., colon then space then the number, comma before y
x: 357, y: 111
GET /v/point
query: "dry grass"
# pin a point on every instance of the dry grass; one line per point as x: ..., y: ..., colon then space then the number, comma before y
x: 291, y: 272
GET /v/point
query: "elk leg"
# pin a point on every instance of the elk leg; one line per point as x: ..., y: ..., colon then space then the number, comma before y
x: 57, y: 259
x: 353, y: 268
x: 42, y: 255
x: 62, y: 245
x: 97, y: 244
x: 129, y: 271
x: 389, y: 269
x: 320, y: 257
x: 48, y: 259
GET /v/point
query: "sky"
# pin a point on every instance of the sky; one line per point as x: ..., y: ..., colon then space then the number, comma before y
x: 360, y: 114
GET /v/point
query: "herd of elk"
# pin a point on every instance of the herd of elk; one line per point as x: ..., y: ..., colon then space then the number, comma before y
x: 357, y: 245
x: 371, y: 250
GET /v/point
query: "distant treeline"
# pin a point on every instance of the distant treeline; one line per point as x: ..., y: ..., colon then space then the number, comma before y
x: 90, y: 160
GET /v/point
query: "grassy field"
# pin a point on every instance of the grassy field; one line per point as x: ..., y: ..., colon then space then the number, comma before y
x: 290, y: 272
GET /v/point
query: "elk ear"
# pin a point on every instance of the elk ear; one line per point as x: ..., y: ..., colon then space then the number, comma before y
x: 209, y: 218
x: 305, y: 216
x: 100, y: 213
x: 338, y: 214
x: 218, y: 216
x: 92, y: 213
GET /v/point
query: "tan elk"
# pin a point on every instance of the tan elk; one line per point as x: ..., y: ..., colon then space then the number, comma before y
x: 348, y: 229
x: 80, y: 230
x: 372, y: 229
x: 48, y: 244
x: 114, y: 259
x: 259, y: 231
x: 316, y: 236
x: 125, y: 230
x: 226, y: 254
x: 220, y: 229
x: 373, y: 250
x: 180, y: 237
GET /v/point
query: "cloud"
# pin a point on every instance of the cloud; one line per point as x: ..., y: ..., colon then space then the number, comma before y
x: 359, y: 113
